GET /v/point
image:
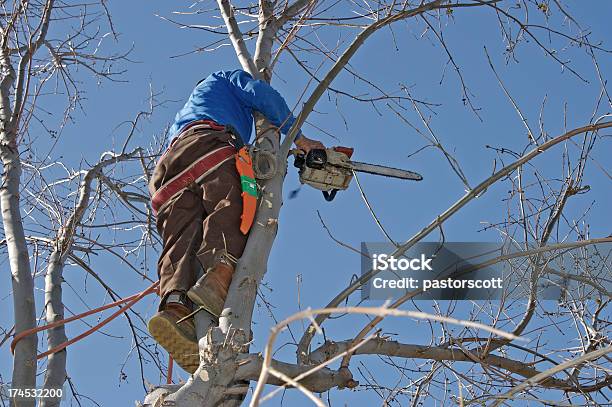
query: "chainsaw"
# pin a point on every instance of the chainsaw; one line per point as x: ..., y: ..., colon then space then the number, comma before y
x: 331, y: 170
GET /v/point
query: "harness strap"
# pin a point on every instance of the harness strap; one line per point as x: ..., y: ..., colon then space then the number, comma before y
x: 194, y: 173
x: 209, y: 124
x: 191, y: 127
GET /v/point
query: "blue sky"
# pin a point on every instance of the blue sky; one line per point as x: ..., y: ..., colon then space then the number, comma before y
x: 303, y: 247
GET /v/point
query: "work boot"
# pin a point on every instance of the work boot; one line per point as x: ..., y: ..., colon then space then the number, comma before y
x: 210, y: 290
x: 178, y: 339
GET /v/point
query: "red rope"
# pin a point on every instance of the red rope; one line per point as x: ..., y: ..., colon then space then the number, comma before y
x: 131, y: 300
x: 170, y: 368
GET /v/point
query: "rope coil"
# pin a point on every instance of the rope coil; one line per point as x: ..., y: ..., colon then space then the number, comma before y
x: 264, y: 163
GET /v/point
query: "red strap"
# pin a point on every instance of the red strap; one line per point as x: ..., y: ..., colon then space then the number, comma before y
x: 193, y: 173
x: 170, y: 369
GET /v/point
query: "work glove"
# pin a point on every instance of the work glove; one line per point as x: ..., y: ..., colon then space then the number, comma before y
x: 305, y: 144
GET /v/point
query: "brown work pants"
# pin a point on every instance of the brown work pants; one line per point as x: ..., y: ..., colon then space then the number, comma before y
x: 202, y: 222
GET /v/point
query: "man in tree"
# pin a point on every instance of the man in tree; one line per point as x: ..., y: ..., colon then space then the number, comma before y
x: 196, y: 194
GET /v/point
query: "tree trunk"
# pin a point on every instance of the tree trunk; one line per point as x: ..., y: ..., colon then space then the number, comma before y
x: 55, y: 376
x: 24, y: 362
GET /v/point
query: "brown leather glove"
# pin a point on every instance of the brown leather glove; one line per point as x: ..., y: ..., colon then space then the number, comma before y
x: 305, y: 144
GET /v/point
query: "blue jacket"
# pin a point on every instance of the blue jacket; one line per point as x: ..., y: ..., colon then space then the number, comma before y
x: 229, y: 98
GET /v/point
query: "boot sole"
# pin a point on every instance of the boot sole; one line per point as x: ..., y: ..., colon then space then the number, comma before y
x: 210, y: 306
x: 184, y: 351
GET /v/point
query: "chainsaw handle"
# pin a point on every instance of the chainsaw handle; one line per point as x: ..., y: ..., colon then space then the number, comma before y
x: 329, y: 195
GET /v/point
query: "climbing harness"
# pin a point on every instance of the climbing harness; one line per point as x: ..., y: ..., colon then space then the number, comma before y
x: 194, y: 173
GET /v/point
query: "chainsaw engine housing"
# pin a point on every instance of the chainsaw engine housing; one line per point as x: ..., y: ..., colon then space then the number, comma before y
x: 326, y: 170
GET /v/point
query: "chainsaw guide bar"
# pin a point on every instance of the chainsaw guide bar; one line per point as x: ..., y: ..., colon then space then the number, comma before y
x: 385, y: 171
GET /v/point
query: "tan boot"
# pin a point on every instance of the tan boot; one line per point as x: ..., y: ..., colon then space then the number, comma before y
x: 179, y: 340
x: 210, y: 290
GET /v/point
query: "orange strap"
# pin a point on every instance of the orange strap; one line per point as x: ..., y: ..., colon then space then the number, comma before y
x: 244, y: 165
x: 170, y: 369
x: 131, y: 300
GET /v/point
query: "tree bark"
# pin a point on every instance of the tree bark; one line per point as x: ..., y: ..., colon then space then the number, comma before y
x: 55, y: 376
x: 24, y: 362
x: 12, y: 84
